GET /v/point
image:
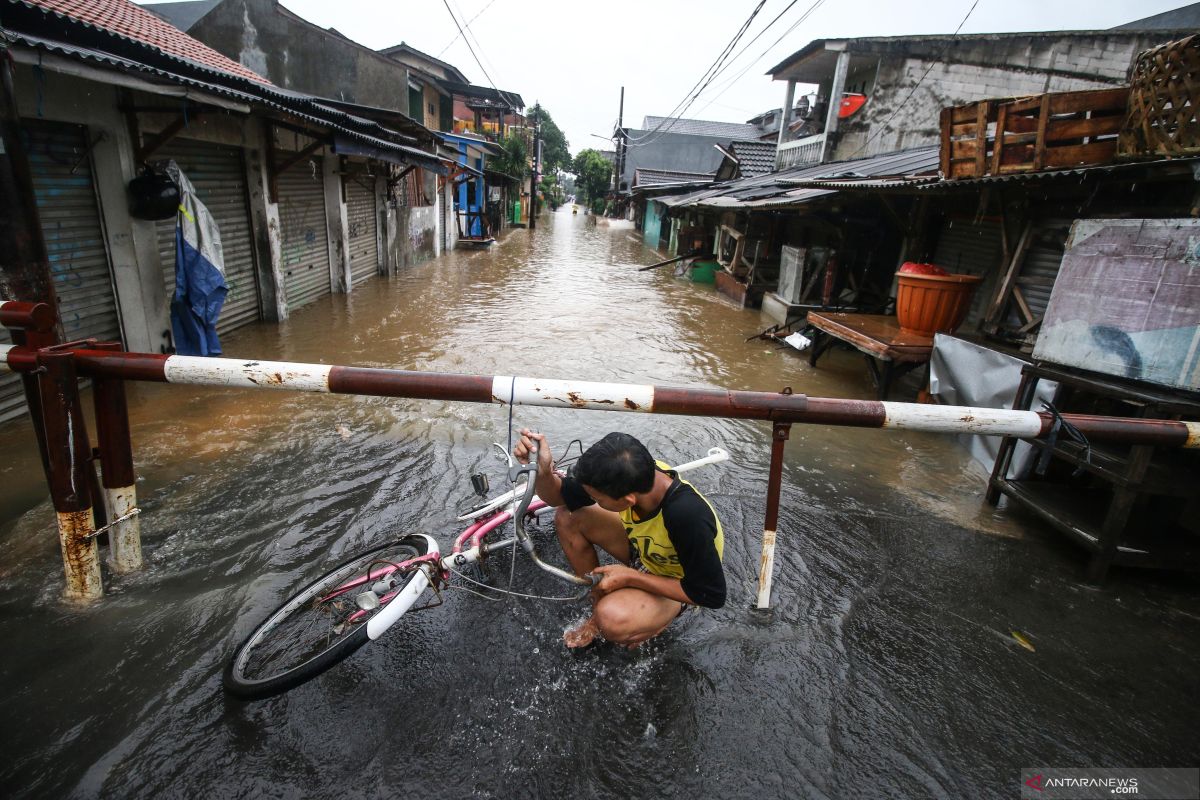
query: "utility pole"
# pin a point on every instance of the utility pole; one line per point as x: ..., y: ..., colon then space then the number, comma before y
x: 620, y: 142
x: 537, y: 165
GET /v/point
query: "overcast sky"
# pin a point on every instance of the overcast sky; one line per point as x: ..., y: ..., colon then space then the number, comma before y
x: 574, y: 57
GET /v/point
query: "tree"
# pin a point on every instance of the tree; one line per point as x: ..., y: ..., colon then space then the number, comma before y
x: 515, y: 160
x: 552, y: 192
x: 592, y: 174
x: 556, y: 152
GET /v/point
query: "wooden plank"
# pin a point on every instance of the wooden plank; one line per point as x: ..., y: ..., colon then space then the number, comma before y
x: 1022, y: 303
x: 1095, y: 100
x: 1021, y: 123
x: 998, y: 146
x: 1039, y: 147
x: 1094, y: 153
x: 981, y: 139
x: 1081, y: 128
x: 944, y: 150
x: 1007, y: 282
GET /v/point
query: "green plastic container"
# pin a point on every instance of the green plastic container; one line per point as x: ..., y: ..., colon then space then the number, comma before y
x: 516, y: 212
x: 705, y: 272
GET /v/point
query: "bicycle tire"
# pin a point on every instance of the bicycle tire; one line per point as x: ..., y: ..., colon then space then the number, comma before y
x: 323, y: 636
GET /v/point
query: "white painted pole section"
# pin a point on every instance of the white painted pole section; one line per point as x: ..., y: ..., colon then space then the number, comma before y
x: 766, y: 569
x: 125, y: 537
x: 573, y: 394
x: 4, y: 348
x: 1193, y: 439
x: 236, y: 372
x: 962, y: 419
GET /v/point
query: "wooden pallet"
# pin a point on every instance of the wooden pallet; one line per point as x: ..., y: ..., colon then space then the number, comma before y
x: 1029, y: 134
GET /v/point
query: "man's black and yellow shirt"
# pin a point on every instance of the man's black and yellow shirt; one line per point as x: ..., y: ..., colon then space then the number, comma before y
x: 682, y: 538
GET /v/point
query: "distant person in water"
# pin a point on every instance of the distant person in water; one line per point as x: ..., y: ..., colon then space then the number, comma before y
x: 663, y: 532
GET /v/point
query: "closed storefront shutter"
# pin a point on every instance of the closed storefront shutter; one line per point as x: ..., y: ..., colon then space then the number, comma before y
x: 1043, y: 257
x: 66, y: 201
x: 219, y: 176
x: 302, y: 228
x: 972, y: 248
x: 364, y: 226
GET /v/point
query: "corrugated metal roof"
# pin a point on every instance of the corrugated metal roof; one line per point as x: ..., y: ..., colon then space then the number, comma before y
x: 123, y: 18
x: 1059, y: 174
x: 658, y: 177
x: 799, y: 185
x: 700, y: 127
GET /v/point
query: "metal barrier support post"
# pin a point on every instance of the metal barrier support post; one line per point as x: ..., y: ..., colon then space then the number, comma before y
x: 780, y: 432
x: 119, y: 478
x: 69, y: 460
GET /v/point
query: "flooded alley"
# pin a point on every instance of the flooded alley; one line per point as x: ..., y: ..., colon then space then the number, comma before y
x: 886, y: 666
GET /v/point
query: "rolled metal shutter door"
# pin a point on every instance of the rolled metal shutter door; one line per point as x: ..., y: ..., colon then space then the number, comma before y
x: 305, y: 245
x: 972, y: 249
x: 363, y: 224
x: 59, y: 160
x: 219, y: 175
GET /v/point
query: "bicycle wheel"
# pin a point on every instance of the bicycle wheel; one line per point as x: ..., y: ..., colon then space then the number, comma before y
x: 322, y: 624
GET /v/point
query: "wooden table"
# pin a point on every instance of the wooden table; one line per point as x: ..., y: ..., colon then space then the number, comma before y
x: 878, y: 337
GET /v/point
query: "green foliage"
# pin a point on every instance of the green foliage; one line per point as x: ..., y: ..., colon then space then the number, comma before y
x: 515, y: 160
x: 552, y: 192
x: 592, y: 174
x: 556, y: 154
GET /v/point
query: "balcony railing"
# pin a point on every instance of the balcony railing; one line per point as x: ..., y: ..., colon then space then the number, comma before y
x: 799, y: 152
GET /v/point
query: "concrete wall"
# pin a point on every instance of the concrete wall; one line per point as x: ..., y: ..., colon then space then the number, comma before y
x: 975, y: 69
x: 131, y: 244
x: 298, y: 55
x: 421, y: 235
x: 678, y: 151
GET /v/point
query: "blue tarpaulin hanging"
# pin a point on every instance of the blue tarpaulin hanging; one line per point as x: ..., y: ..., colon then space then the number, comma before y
x: 199, y: 273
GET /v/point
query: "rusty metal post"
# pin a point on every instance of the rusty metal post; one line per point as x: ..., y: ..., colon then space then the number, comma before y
x: 31, y: 325
x: 780, y: 432
x: 120, y: 480
x: 69, y: 454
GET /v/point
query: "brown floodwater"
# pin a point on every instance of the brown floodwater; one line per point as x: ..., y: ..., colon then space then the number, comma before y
x: 885, y: 667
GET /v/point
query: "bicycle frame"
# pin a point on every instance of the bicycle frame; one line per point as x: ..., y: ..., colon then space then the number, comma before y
x: 469, y: 547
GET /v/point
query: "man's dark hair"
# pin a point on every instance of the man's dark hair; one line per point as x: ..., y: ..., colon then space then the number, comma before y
x: 617, y: 465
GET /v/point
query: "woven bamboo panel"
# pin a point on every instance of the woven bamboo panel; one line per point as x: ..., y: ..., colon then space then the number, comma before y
x: 1162, y: 102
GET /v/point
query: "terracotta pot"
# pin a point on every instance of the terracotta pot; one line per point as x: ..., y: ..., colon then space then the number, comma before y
x: 929, y: 304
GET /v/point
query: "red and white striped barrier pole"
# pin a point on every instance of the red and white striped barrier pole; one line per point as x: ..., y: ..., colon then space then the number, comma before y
x: 783, y: 408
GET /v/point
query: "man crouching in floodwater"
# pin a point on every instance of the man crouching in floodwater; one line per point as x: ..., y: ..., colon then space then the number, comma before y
x: 665, y: 534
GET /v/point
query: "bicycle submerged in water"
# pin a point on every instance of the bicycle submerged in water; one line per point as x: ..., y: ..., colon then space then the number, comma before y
x: 357, y: 601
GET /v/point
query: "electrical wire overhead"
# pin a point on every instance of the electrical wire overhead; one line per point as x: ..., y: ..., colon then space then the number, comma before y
x: 466, y: 26
x: 503, y: 96
x: 880, y: 129
x: 701, y: 84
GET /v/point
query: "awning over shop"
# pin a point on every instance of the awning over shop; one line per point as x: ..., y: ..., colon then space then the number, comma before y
x: 389, y: 152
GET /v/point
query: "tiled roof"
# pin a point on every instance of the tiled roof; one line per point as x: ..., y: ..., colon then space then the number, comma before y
x: 701, y: 127
x: 659, y: 177
x: 754, y: 158
x: 123, y: 18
